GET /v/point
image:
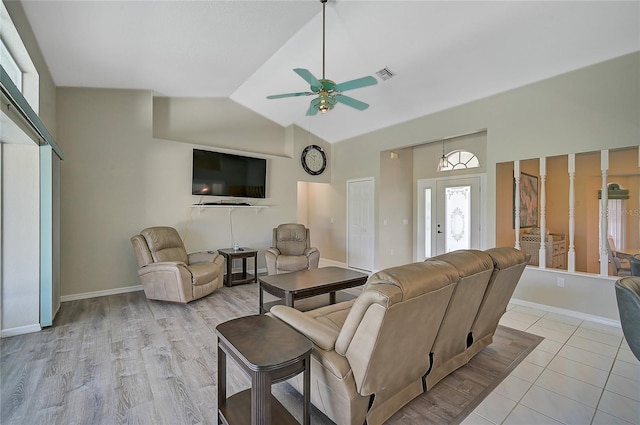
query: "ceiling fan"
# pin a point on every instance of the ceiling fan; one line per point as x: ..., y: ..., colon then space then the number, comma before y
x: 328, y: 92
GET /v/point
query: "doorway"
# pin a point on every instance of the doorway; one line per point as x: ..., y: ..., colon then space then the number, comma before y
x: 449, y: 215
x: 360, y: 225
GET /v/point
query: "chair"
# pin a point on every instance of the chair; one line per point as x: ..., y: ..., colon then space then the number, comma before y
x: 635, y: 265
x: 168, y: 273
x: 291, y: 250
x: 620, y: 262
x: 628, y: 297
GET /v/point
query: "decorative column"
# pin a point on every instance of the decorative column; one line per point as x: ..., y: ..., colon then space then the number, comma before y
x: 516, y: 202
x: 604, y: 200
x: 542, y: 261
x: 571, y: 255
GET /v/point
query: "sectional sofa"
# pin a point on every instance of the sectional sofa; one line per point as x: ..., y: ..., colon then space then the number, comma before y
x: 409, y: 328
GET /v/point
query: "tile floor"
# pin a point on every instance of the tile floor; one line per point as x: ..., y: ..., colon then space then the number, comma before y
x: 582, y: 373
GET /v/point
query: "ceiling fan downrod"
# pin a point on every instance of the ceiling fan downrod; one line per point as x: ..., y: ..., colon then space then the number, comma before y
x: 324, y: 3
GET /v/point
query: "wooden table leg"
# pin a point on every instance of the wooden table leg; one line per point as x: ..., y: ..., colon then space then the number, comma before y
x: 222, y: 379
x: 261, y: 303
x: 332, y: 297
x: 255, y: 268
x: 244, y: 268
x: 229, y: 269
x: 261, y: 398
x: 306, y: 413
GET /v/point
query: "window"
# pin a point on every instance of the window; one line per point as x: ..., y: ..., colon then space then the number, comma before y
x: 458, y: 160
x: 10, y: 66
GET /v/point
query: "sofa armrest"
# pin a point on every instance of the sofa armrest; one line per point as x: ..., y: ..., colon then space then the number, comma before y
x: 273, y: 251
x: 321, y: 335
x: 162, y: 266
x: 202, y: 257
x: 309, y: 251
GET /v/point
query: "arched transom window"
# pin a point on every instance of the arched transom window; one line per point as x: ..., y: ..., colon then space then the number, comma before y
x: 458, y: 160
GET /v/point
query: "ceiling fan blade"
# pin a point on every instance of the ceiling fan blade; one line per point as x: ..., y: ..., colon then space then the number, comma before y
x: 279, y: 96
x: 308, y: 77
x: 356, y: 84
x: 313, y: 108
x: 349, y: 101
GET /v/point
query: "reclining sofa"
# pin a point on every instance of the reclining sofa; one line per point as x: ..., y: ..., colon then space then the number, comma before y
x: 409, y: 328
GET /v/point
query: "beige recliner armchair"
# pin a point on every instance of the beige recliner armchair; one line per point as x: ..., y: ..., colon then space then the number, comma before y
x: 291, y: 250
x: 168, y: 273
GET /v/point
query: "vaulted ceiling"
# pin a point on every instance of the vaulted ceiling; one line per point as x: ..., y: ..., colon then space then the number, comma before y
x: 444, y: 53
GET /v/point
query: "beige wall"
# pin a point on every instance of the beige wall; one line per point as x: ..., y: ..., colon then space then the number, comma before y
x: 396, y: 217
x: 152, y: 175
x: 118, y: 179
x: 217, y: 122
x: 590, y: 109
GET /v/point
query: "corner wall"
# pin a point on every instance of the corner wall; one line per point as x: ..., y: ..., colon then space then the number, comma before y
x: 117, y: 179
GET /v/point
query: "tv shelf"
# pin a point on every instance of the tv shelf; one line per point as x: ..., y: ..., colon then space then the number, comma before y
x: 229, y: 207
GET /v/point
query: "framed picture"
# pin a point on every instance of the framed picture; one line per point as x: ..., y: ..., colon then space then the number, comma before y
x: 528, y: 201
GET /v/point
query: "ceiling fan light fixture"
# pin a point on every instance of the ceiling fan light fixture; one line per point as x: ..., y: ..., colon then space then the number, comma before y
x: 329, y: 93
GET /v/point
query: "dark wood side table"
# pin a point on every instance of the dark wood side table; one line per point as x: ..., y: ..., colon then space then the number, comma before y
x: 243, y: 253
x: 268, y: 351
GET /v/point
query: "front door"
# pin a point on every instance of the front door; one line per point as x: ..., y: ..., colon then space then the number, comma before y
x: 450, y: 215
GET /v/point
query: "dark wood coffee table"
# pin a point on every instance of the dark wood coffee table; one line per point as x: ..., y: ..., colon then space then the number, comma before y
x: 268, y: 351
x: 308, y: 283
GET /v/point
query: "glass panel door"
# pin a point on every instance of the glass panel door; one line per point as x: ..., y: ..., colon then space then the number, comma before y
x: 457, y: 223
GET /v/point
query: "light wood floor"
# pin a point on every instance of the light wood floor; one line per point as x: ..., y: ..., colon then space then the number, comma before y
x: 123, y: 359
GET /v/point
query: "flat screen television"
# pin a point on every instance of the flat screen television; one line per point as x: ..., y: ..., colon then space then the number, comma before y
x: 223, y: 174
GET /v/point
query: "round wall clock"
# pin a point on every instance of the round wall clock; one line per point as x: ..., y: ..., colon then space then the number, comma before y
x: 313, y: 159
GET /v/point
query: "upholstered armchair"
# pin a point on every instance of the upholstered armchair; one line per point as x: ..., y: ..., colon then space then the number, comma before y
x: 628, y: 298
x: 168, y: 273
x: 291, y: 250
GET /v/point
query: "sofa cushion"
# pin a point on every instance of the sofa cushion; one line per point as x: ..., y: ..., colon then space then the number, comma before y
x: 414, y: 279
x: 291, y: 239
x: 475, y: 269
x: 202, y: 273
x: 291, y: 263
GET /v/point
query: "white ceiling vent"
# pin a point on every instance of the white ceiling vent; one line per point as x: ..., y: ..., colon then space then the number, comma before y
x: 385, y: 73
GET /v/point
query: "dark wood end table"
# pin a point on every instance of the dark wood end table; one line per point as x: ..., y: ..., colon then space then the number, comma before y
x: 308, y: 283
x: 243, y: 253
x: 268, y: 351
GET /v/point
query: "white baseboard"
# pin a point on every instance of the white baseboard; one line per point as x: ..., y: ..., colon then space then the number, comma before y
x: 94, y: 294
x: 21, y: 330
x: 325, y: 263
x: 115, y: 291
x: 570, y: 313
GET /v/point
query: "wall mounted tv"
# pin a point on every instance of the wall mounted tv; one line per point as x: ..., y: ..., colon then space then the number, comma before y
x: 223, y: 174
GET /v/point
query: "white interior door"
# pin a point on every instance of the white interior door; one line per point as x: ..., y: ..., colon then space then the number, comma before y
x: 449, y: 212
x: 360, y: 225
